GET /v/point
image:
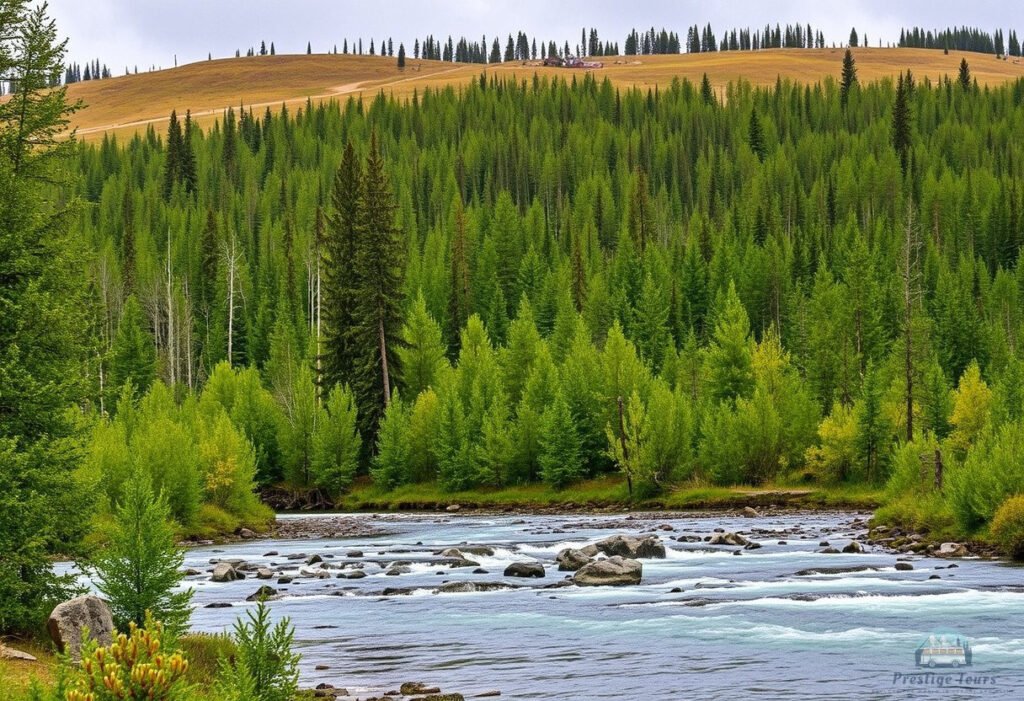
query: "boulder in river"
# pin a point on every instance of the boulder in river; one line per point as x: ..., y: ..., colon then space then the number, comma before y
x: 727, y: 539
x: 629, y: 547
x: 750, y: 512
x: 69, y: 618
x: 904, y: 566
x: 524, y: 569
x: 264, y: 573
x: 263, y: 593
x: 853, y: 547
x: 571, y: 559
x: 615, y: 571
x: 224, y: 572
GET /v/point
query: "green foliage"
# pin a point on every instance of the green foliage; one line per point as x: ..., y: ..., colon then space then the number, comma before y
x: 264, y: 668
x: 133, y: 358
x: 1008, y: 527
x: 423, y: 353
x: 990, y: 474
x: 337, y: 443
x: 141, y: 567
x: 46, y: 337
x: 560, y: 462
x: 729, y: 360
x: 391, y: 463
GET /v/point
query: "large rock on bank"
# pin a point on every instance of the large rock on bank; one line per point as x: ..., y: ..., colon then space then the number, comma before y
x: 69, y: 618
x: 616, y: 571
x: 630, y: 547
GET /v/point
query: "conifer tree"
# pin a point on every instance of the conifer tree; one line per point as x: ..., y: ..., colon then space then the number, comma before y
x: 848, y: 79
x: 133, y: 356
x: 43, y: 347
x: 378, y: 265
x: 140, y: 569
x: 964, y: 77
x: 560, y: 462
x: 730, y: 356
x: 340, y: 288
x: 401, y: 56
x: 173, y: 164
x: 755, y: 136
x: 901, y: 120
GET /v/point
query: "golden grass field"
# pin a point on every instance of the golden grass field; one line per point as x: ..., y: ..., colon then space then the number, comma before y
x: 128, y: 103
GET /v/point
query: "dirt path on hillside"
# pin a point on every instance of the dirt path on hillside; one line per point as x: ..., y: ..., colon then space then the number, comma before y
x: 339, y: 90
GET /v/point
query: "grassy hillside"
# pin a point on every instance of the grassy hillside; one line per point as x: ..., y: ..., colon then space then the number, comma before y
x: 128, y: 103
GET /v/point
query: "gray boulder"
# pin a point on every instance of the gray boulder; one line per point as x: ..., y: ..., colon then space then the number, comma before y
x: 263, y: 593
x: 264, y: 573
x: 571, y: 559
x: 727, y: 539
x: 615, y: 571
x: 524, y: 569
x: 629, y: 547
x: 68, y: 619
x: 224, y: 572
x: 952, y: 550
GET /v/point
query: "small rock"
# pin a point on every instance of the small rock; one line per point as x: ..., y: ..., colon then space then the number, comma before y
x: 480, y: 570
x: 829, y: 551
x: 264, y: 573
x: 453, y: 508
x: 218, y: 605
x: 952, y: 550
x: 9, y: 653
x: 246, y: 533
x: 224, y: 572
x: 728, y: 539
x: 356, y: 574
x: 417, y: 688
x: 853, y: 547
x: 354, y: 553
x: 321, y: 667
x: 314, y: 559
x: 262, y: 593
x: 487, y: 694
x: 272, y: 553
x: 524, y: 569
x: 284, y: 580
x: 397, y: 570
x: 904, y: 566
x: 190, y: 572
x: 750, y: 512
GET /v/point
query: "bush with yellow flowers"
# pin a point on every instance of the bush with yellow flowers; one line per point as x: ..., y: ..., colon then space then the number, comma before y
x: 133, y: 668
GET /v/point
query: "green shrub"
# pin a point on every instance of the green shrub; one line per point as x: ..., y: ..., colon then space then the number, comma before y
x: 264, y: 666
x: 1007, y: 528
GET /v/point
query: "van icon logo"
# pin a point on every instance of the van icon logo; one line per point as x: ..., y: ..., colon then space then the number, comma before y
x: 944, y: 650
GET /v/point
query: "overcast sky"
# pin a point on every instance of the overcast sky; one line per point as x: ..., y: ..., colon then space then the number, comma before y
x: 148, y: 33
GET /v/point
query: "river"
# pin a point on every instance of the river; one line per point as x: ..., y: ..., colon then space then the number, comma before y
x: 706, y: 622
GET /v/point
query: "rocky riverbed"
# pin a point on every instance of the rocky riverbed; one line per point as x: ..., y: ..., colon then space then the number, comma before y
x: 611, y: 606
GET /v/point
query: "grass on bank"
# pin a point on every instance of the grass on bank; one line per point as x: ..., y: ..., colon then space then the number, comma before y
x: 202, y: 651
x: 607, y: 492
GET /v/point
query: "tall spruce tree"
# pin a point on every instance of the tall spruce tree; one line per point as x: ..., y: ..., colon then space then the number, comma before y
x: 848, y: 79
x: 378, y: 268
x: 173, y: 165
x: 901, y: 137
x: 340, y: 287
x: 43, y: 349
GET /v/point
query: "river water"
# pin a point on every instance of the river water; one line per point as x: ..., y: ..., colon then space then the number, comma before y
x: 736, y: 626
